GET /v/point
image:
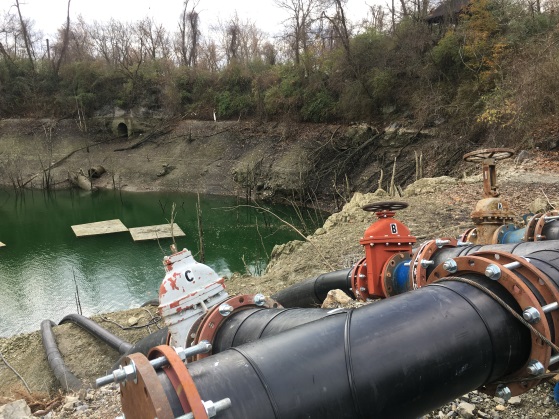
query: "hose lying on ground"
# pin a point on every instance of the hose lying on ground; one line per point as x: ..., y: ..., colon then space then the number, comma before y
x: 65, y: 377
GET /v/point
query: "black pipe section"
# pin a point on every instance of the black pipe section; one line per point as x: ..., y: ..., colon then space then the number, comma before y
x: 68, y: 381
x: 551, y: 230
x: 313, y: 291
x: 399, y: 358
x: 153, y: 302
x: 144, y: 345
x: 97, y: 331
x: 246, y: 326
x: 519, y: 249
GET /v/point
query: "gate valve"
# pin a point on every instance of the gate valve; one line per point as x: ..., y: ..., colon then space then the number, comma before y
x: 188, y: 290
x: 490, y: 212
x: 388, y: 245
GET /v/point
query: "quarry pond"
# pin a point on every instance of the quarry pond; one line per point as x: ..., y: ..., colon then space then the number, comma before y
x: 44, y: 267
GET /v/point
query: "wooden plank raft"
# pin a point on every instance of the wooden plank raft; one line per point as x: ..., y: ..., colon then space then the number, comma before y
x: 156, y: 232
x: 100, y: 227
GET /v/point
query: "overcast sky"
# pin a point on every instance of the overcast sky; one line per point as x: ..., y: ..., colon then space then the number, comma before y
x: 51, y: 14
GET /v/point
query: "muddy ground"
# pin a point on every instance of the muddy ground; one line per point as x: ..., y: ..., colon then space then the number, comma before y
x: 437, y: 209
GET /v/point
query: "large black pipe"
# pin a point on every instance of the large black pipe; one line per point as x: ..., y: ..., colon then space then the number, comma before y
x: 519, y: 249
x: 252, y: 324
x: 144, y: 345
x: 313, y: 291
x: 398, y: 358
x: 68, y: 381
x: 97, y: 331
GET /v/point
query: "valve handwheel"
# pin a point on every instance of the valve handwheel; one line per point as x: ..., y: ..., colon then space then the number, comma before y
x: 489, y: 153
x: 385, y: 206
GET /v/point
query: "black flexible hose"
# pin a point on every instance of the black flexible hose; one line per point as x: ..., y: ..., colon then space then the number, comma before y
x: 65, y: 377
x: 398, y: 358
x: 312, y: 292
x: 97, y: 331
x: 153, y: 302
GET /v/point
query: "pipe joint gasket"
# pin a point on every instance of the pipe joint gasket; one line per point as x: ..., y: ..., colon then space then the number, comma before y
x: 208, y: 326
x: 514, y: 281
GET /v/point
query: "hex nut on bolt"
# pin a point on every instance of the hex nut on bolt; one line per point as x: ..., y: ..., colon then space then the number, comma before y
x: 450, y: 266
x: 493, y: 272
x: 531, y: 315
x: 535, y: 367
x: 259, y: 300
x: 503, y: 392
x: 225, y: 310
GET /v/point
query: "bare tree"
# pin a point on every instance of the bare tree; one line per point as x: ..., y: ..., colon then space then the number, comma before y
x: 209, y: 56
x: 26, y: 37
x: 298, y: 24
x: 65, y: 41
x: 154, y: 37
x: 188, y: 39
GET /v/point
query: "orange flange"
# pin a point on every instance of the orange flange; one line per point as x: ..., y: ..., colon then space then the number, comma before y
x: 144, y: 398
x: 418, y: 271
x: 213, y: 319
x: 541, y: 223
x: 531, y: 228
x: 181, y: 380
x: 518, y: 289
x: 388, y: 274
x: 546, y: 288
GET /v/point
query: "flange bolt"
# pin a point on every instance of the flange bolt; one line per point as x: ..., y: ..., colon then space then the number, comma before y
x: 450, y: 266
x: 426, y: 263
x: 225, y: 310
x: 503, y: 392
x: 259, y: 300
x: 440, y: 242
x: 535, y: 367
x: 493, y: 272
x: 531, y: 315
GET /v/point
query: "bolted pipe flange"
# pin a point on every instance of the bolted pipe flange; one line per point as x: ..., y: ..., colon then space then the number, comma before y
x: 209, y: 325
x: 531, y: 315
x: 426, y: 263
x: 503, y: 392
x: 450, y: 266
x: 259, y: 300
x: 529, y: 287
x: 225, y: 309
x: 441, y: 242
x: 421, y: 261
x: 535, y: 367
x: 493, y: 272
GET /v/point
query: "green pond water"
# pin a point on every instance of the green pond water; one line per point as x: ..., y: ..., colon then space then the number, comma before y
x: 43, y: 261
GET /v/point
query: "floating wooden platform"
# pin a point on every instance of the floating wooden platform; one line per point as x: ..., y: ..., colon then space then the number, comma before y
x: 101, y: 227
x: 156, y: 232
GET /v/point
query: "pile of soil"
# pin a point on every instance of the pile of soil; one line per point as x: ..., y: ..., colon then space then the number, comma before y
x: 440, y: 208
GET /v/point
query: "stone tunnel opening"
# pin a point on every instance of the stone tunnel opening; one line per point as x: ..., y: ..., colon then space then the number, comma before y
x: 122, y: 130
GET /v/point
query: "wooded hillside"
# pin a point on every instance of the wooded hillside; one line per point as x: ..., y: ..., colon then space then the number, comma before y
x: 490, y: 69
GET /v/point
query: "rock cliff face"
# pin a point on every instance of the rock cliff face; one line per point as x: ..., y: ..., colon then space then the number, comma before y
x: 253, y: 160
